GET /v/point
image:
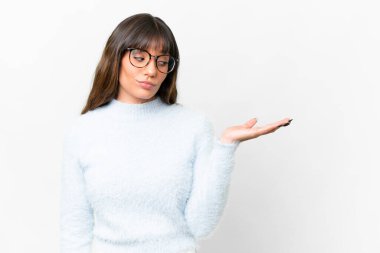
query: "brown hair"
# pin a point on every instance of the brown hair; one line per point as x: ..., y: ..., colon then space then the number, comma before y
x: 141, y: 31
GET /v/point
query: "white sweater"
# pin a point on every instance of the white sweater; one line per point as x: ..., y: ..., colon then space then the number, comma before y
x: 142, y: 178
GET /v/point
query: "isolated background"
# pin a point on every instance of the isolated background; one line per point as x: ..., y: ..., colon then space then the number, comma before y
x: 310, y: 187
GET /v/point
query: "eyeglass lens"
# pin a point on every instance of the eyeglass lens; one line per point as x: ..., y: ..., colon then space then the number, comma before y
x: 140, y: 58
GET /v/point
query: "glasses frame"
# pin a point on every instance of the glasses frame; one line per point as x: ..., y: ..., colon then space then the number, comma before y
x: 150, y: 57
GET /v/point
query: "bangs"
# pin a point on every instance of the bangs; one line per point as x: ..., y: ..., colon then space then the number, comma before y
x: 153, y: 38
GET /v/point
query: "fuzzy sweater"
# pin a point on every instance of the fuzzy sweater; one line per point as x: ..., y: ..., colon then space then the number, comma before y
x: 142, y: 178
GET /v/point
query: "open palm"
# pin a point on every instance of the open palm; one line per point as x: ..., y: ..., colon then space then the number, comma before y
x: 247, y: 131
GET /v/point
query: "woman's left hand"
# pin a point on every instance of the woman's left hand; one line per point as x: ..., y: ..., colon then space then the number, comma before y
x: 247, y: 131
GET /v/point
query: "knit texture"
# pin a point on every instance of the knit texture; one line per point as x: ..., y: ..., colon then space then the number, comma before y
x: 142, y: 178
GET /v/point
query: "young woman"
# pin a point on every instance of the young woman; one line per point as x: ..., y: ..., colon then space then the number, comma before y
x: 142, y: 173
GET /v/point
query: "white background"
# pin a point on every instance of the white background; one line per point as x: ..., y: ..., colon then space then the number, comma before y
x: 310, y: 187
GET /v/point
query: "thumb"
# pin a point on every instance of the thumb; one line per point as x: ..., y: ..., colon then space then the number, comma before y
x: 250, y: 123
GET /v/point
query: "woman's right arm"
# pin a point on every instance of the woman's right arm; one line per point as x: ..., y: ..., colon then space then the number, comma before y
x: 76, y: 216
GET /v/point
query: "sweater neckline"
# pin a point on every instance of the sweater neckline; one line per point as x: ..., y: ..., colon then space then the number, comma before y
x: 129, y: 111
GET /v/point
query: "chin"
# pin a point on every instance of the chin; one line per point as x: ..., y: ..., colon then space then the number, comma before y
x: 147, y: 96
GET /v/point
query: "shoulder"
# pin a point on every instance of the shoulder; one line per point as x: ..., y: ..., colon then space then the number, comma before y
x: 78, y: 125
x: 79, y: 132
x: 72, y: 129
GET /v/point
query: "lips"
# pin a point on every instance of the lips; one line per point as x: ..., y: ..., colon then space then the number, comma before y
x: 146, y: 82
x: 146, y: 85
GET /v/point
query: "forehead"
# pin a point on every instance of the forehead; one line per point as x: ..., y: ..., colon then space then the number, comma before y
x: 154, y: 46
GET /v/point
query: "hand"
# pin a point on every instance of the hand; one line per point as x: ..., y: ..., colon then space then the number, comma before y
x: 247, y: 131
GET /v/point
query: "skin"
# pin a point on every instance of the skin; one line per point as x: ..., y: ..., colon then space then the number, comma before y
x: 131, y: 92
x: 129, y: 88
x: 246, y: 131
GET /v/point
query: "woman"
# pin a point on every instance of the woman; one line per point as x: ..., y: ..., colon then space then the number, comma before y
x: 141, y: 172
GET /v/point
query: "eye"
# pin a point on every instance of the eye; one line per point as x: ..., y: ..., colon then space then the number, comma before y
x: 162, y: 63
x: 138, y: 58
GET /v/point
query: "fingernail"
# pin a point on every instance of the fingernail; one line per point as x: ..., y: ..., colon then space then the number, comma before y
x: 287, y: 124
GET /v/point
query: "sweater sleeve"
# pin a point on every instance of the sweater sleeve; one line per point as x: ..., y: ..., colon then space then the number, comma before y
x: 76, y: 217
x: 212, y: 168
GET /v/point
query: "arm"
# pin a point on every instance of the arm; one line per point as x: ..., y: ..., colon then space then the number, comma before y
x: 76, y: 217
x: 212, y: 166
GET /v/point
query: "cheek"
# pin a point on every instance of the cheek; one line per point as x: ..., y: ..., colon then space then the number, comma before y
x: 131, y: 73
x: 128, y: 72
x: 126, y: 65
x: 163, y: 78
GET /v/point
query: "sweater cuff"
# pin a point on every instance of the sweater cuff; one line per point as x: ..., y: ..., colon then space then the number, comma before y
x: 227, y: 147
x: 225, y: 151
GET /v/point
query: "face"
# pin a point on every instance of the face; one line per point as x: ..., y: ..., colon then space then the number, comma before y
x: 131, y: 88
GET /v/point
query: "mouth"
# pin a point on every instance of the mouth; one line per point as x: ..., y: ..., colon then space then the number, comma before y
x: 146, y: 85
x: 146, y: 82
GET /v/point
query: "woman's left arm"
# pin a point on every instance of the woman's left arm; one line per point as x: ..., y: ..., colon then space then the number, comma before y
x: 212, y: 168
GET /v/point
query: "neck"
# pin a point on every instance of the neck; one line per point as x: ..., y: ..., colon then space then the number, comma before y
x: 132, y: 100
x: 130, y: 111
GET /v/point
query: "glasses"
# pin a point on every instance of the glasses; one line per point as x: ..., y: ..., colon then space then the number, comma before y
x: 141, y: 58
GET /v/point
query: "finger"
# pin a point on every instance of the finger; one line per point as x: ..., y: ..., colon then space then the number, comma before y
x: 270, y: 128
x: 287, y: 124
x: 275, y: 129
x: 250, y: 123
x: 280, y: 123
x: 267, y: 130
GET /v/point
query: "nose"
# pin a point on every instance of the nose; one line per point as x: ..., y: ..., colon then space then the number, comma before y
x: 151, y: 67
